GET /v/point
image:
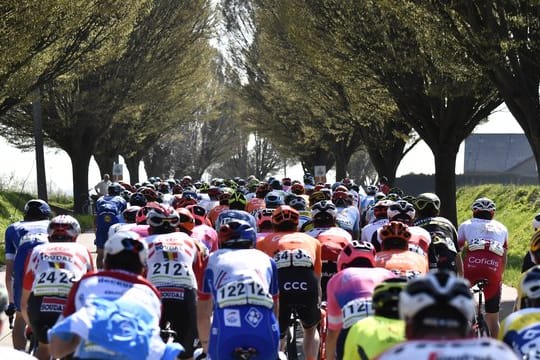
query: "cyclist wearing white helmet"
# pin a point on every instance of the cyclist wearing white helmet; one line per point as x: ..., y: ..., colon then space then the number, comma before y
x: 50, y: 271
x: 485, y: 241
x: 517, y: 328
x: 379, y: 214
x: 114, y: 313
x: 349, y: 293
x: 438, y: 309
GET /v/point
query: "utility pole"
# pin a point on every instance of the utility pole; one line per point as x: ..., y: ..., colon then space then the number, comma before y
x: 38, y: 143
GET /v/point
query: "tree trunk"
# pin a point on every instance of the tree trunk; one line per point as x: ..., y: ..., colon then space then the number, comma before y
x: 37, y: 114
x: 343, y: 157
x: 386, y: 164
x: 79, y: 164
x: 132, y: 165
x: 445, y: 183
x: 105, y: 162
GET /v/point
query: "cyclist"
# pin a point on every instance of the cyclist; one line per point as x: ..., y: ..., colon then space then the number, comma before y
x: 223, y: 205
x: 298, y: 259
x: 530, y: 258
x: 35, y: 221
x: 366, y: 201
x: 50, y: 271
x: 349, y: 293
x: 443, y: 249
x: 299, y: 203
x: 331, y: 237
x: 257, y: 202
x: 485, y: 242
x: 517, y: 328
x: 274, y: 199
x: 380, y: 218
x: 395, y: 255
x: 404, y: 212
x: 374, y: 334
x: 438, y: 309
x: 7, y: 352
x: 203, y: 231
x: 109, y: 210
x: 348, y: 216
x: 264, y: 223
x: 113, y: 313
x: 240, y: 289
x: 176, y: 262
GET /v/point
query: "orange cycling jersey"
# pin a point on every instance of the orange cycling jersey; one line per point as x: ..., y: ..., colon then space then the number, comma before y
x: 293, y: 249
x: 214, y: 213
x: 402, y: 262
x: 255, y: 204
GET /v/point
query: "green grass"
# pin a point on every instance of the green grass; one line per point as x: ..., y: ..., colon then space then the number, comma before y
x: 516, y: 206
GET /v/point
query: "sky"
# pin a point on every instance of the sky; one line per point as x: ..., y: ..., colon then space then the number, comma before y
x: 18, y: 169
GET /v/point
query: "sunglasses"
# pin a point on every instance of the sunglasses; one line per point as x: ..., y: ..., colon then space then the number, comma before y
x: 132, y: 245
x: 158, y: 221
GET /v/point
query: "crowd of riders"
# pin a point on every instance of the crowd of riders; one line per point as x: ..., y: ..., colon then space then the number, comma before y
x: 221, y: 269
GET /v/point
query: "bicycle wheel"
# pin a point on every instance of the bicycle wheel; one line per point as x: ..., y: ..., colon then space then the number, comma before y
x: 291, y: 348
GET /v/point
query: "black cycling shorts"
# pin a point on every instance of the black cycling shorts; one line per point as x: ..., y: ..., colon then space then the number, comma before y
x: 180, y: 310
x: 298, y: 291
x: 493, y: 304
x: 43, y: 311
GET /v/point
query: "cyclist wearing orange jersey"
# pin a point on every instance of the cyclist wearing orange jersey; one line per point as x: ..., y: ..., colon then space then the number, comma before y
x: 264, y: 223
x: 298, y: 259
x: 257, y: 202
x: 213, y: 213
x: 395, y: 255
x: 485, y: 242
x: 331, y: 237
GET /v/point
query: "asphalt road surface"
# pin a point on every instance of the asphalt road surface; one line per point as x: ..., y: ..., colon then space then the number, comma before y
x: 509, y: 294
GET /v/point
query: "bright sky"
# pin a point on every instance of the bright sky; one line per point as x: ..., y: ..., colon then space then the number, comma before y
x: 18, y: 168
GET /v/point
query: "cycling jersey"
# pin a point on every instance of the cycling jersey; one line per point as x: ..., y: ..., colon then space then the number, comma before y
x: 206, y: 235
x: 16, y: 231
x: 142, y: 230
x: 214, y: 212
x: 484, y: 348
x: 108, y: 212
x: 402, y: 262
x: 255, y: 204
x: 371, y: 336
x: 116, y: 313
x: 371, y: 228
x: 485, y: 242
x: 444, y: 246
x: 207, y: 204
x: 418, y: 242
x: 244, y: 285
x: 304, y: 217
x: 348, y: 218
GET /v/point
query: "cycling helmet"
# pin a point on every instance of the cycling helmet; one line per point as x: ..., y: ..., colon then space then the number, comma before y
x: 214, y: 192
x: 137, y: 199
x: 380, y: 209
x: 126, y: 241
x: 379, y: 196
x: 286, y: 181
x: 341, y: 199
x: 536, y: 222
x: 199, y: 214
x: 401, y: 210
x: 348, y: 182
x: 149, y: 193
x: 285, y: 214
x: 142, y: 214
x: 315, y: 197
x: 534, y: 246
x: 371, y: 189
x: 37, y: 208
x: 427, y: 199
x: 264, y: 218
x: 163, y: 187
x: 356, y: 254
x: 190, y: 194
x: 236, y: 233
x: 297, y: 189
x: 177, y: 189
x: 439, y: 291
x: 179, y: 201
x: 297, y: 202
x: 186, y: 219
x: 394, y: 235
x: 163, y: 216
x: 63, y: 228
x: 130, y: 214
x: 483, y: 204
x: 224, y: 196
x: 341, y: 188
x: 115, y: 189
x: 529, y: 288
x: 273, y: 199
x: 237, y: 201
x: 309, y: 179
x: 386, y: 297
x: 276, y: 184
x: 323, y: 207
x: 395, y: 190
x: 336, y: 185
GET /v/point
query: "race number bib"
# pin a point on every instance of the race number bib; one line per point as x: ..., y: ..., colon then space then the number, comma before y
x: 417, y: 249
x: 296, y: 257
x: 481, y: 244
x: 355, y: 310
x: 242, y: 293
x: 409, y: 274
x: 169, y: 273
x: 53, y: 282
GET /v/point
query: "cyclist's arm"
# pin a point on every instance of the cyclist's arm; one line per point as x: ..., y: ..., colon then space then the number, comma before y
x: 61, y: 347
x: 331, y: 342
x: 9, y: 279
x: 459, y: 264
x: 204, y: 311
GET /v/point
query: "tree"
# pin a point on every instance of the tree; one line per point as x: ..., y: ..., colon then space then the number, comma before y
x: 503, y: 38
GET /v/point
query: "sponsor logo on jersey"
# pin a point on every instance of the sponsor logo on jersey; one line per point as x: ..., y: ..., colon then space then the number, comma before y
x: 232, y: 317
x: 254, y: 317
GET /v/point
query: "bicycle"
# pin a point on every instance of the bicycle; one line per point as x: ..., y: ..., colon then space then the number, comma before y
x: 31, y: 342
x: 167, y: 334
x: 291, y: 348
x: 244, y: 353
x: 479, y: 325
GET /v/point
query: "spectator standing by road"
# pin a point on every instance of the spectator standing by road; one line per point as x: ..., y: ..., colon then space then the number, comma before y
x: 102, y: 186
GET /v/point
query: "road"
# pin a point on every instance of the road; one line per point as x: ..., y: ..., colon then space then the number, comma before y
x: 509, y: 294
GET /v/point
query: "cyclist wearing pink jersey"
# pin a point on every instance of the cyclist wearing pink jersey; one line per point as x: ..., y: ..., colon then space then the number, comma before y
x: 485, y: 242
x: 349, y: 293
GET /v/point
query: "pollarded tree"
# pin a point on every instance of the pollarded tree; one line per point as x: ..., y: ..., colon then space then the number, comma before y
x: 438, y: 90
x: 503, y: 38
x: 41, y: 40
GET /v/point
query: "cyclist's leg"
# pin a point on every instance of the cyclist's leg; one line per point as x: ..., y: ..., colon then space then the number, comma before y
x: 182, y: 315
x: 310, y: 315
x: 492, y: 306
x: 43, y: 312
x: 17, y: 334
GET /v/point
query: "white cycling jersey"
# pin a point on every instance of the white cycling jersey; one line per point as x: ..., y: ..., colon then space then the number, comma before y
x: 480, y: 230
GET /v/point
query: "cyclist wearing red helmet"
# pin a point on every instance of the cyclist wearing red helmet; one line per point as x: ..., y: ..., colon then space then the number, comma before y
x: 298, y: 258
x: 203, y: 231
x: 379, y: 209
x: 349, y: 293
x: 486, y: 244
